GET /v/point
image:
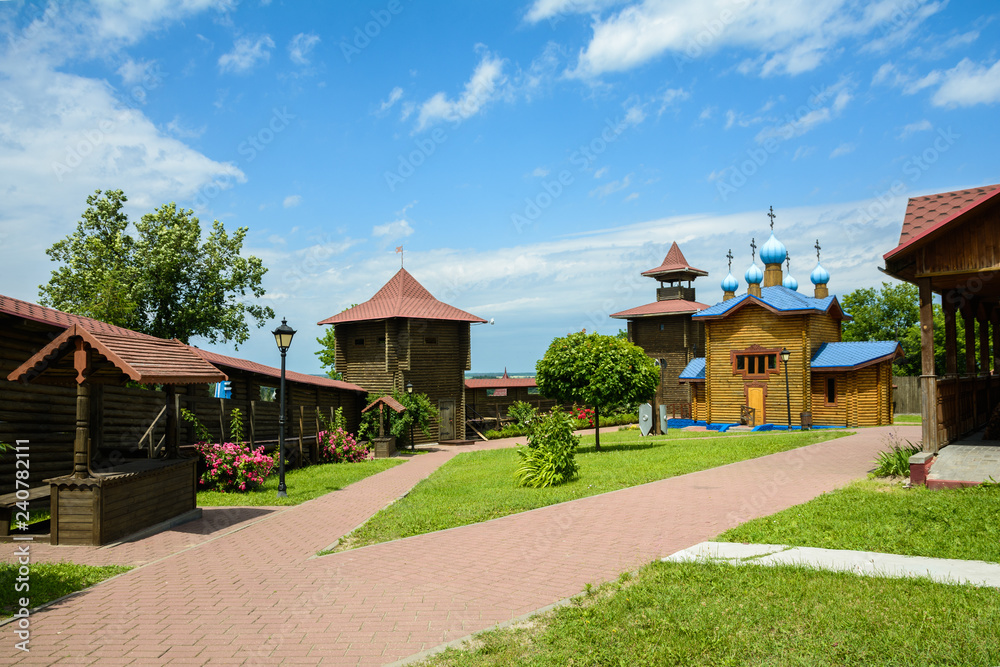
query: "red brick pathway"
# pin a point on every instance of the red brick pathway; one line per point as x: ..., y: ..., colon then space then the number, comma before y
x: 248, y: 591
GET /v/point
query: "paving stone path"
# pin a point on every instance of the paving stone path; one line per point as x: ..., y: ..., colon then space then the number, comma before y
x: 242, y: 587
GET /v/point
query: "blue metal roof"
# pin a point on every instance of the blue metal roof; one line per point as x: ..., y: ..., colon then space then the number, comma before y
x: 852, y: 354
x: 779, y: 298
x: 695, y: 370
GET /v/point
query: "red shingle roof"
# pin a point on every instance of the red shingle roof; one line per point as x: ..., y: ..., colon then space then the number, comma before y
x: 674, y: 263
x: 402, y: 296
x: 668, y: 307
x: 497, y: 383
x: 143, y: 359
x: 929, y: 213
x: 253, y: 367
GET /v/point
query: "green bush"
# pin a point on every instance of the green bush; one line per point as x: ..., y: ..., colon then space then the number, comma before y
x: 895, y: 462
x: 549, y: 458
x: 522, y: 413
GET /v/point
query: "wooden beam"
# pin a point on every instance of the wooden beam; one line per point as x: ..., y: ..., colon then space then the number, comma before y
x: 995, y: 320
x: 968, y: 314
x: 928, y: 381
x: 950, y: 334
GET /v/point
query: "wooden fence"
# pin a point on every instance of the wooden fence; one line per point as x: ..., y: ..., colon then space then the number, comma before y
x: 906, y: 395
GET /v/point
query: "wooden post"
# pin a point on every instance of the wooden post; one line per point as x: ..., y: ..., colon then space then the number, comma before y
x: 81, y: 455
x: 984, y: 341
x: 995, y: 320
x: 969, y: 315
x: 253, y: 424
x: 302, y: 418
x: 950, y: 334
x: 928, y: 380
x: 171, y: 441
x: 222, y: 417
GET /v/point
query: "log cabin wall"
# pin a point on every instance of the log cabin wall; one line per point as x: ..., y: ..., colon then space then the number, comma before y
x: 698, y: 411
x: 755, y: 325
x: 488, y: 406
x: 439, y: 355
x: 672, y: 339
x: 863, y: 397
x: 362, y: 358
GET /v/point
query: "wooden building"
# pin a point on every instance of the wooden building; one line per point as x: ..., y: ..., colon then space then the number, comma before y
x: 403, y: 335
x: 950, y: 245
x: 129, y: 420
x: 487, y: 400
x: 742, y: 378
x: 665, y: 330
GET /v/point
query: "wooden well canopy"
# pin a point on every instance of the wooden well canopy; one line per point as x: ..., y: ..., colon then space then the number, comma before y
x: 81, y: 355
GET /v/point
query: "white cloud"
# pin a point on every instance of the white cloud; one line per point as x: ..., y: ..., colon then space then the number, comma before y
x: 300, y: 46
x: 291, y: 201
x: 540, y: 172
x: 247, y: 53
x: 484, y: 86
x: 706, y: 113
x: 913, y: 128
x: 391, y: 231
x: 395, y: 95
x: 815, y: 113
x: 134, y: 72
x: 600, y: 173
x: 789, y: 37
x: 968, y: 84
x: 672, y: 97
x: 547, y: 9
x: 632, y: 197
x: 843, y: 149
x: 612, y: 187
x: 803, y: 152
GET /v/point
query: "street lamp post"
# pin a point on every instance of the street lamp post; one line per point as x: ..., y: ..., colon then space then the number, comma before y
x: 413, y: 445
x: 283, y: 337
x: 785, y: 354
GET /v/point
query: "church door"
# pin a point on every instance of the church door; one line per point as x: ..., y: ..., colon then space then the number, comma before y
x: 755, y: 399
x: 446, y: 419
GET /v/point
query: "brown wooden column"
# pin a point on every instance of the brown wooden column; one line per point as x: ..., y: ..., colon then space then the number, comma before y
x: 968, y: 316
x: 950, y: 334
x: 928, y: 380
x: 81, y: 455
x: 984, y: 339
x: 172, y: 440
x: 995, y: 320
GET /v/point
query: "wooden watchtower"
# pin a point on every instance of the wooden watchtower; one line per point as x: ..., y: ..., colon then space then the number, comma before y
x: 403, y: 335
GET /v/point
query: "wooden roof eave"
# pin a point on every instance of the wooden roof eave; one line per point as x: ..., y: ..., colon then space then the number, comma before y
x: 840, y: 314
x: 929, y: 235
x: 898, y: 353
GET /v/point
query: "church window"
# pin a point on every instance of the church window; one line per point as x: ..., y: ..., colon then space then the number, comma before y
x: 831, y: 391
x: 755, y: 362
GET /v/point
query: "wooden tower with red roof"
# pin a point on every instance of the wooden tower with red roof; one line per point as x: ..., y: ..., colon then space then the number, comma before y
x: 403, y: 335
x: 664, y: 328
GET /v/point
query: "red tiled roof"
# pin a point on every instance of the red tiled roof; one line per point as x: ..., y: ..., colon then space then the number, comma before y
x: 389, y: 401
x: 668, y: 307
x: 498, y: 383
x: 36, y: 313
x: 253, y: 367
x: 144, y: 359
x: 674, y: 262
x: 929, y: 213
x: 402, y: 296
x: 32, y: 311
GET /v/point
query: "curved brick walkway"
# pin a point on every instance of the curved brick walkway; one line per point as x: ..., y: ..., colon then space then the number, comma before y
x: 247, y: 591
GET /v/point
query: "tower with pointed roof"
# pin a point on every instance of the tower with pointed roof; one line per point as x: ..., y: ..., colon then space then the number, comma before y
x: 741, y: 376
x: 404, y: 335
x: 664, y: 329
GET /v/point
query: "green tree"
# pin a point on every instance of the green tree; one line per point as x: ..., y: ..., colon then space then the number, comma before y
x: 596, y: 371
x: 890, y: 313
x: 327, y: 354
x: 165, y: 281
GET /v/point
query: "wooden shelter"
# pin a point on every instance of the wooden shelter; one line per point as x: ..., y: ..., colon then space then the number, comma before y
x: 403, y: 335
x: 742, y: 378
x: 487, y: 400
x: 950, y: 245
x: 665, y: 330
x: 90, y: 507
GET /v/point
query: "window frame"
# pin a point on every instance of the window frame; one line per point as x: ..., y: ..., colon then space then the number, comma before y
x: 758, y: 359
x: 831, y: 381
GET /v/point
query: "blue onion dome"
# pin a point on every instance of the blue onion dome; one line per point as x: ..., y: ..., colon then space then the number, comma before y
x: 754, y: 275
x: 790, y: 283
x: 730, y: 284
x: 819, y: 276
x: 773, y: 252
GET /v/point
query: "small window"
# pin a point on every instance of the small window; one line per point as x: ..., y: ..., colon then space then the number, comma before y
x: 533, y: 391
x: 433, y: 341
x: 772, y: 361
x: 662, y: 327
x: 381, y: 341
x: 741, y: 362
x: 268, y: 394
x: 359, y: 341
x: 755, y: 362
x: 831, y: 391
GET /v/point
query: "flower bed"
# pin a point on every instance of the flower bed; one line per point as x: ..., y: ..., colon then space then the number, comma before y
x: 339, y: 446
x: 234, y: 466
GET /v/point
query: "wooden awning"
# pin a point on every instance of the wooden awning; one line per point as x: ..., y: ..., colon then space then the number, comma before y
x: 81, y: 355
x: 387, y: 401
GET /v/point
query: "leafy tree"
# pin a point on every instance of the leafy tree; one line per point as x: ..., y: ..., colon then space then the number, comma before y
x: 327, y: 354
x: 893, y: 313
x: 598, y: 371
x: 164, y: 281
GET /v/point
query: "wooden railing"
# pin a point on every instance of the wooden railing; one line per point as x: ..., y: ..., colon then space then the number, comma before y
x: 153, y: 450
x: 964, y: 404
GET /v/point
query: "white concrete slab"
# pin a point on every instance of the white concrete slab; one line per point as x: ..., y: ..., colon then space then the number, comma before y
x: 867, y: 563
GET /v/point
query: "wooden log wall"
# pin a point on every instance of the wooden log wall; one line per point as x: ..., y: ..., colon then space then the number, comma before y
x: 698, y: 411
x: 674, y: 340
x: 489, y: 406
x: 864, y: 397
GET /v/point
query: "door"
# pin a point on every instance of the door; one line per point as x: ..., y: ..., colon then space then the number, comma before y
x: 755, y: 399
x: 446, y: 419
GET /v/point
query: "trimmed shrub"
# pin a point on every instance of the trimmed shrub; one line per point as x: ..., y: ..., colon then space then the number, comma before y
x: 234, y: 467
x: 339, y: 446
x: 549, y: 458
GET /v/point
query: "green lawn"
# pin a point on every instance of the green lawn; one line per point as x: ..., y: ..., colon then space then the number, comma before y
x: 907, y: 419
x: 716, y: 614
x: 875, y: 516
x: 302, y: 484
x: 48, y: 581
x: 479, y: 486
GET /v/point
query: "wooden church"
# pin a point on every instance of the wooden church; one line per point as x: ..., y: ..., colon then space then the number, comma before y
x: 665, y: 330
x: 404, y: 336
x: 771, y: 335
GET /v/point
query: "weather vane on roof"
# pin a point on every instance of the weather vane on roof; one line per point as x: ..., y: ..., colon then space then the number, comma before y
x: 730, y: 256
x: 817, y: 250
x: 399, y: 249
x: 753, y: 250
x: 771, y: 215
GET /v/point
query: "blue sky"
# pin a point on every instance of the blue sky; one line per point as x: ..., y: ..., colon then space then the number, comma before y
x: 532, y: 157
